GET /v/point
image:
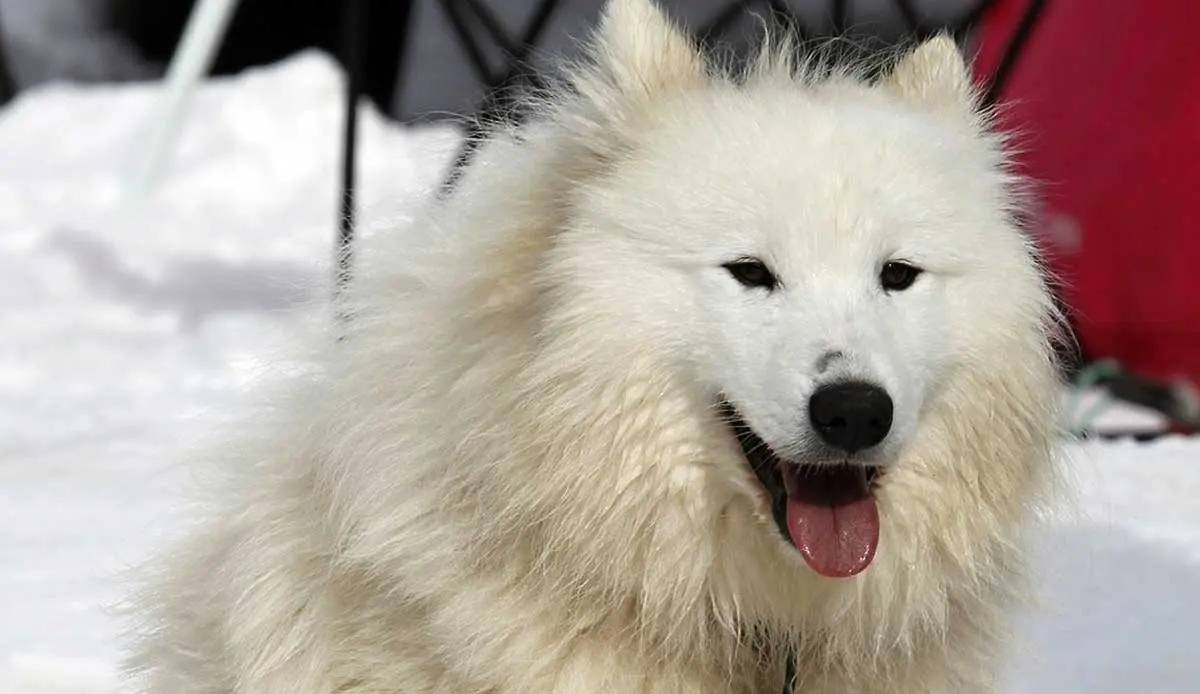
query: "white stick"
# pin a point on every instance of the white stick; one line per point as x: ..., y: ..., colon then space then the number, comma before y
x: 205, y: 28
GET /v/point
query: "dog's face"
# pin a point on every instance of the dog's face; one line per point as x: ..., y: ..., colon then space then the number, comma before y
x: 820, y: 258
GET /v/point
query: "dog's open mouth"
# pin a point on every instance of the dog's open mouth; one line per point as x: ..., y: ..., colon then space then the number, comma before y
x: 826, y: 511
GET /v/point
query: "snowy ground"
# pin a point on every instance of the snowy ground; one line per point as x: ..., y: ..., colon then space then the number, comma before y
x: 126, y: 339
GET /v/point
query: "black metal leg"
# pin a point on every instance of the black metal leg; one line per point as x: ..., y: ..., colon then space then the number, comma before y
x: 840, y: 13
x: 371, y: 31
x: 971, y: 20
x: 456, y: 14
x: 500, y: 93
x: 722, y: 21
x: 912, y: 20
x: 1012, y: 51
x: 388, y: 23
x: 8, y: 87
x: 784, y: 12
x: 780, y: 11
x: 354, y: 29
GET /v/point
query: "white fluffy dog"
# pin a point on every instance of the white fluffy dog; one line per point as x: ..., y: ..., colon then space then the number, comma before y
x: 698, y: 376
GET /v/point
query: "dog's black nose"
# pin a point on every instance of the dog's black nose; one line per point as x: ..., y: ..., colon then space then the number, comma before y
x: 851, y: 415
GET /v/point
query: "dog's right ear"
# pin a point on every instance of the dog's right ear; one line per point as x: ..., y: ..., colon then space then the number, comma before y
x: 643, y: 52
x: 935, y: 76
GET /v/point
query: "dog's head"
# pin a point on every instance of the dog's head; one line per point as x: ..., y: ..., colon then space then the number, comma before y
x: 823, y: 343
x: 832, y: 265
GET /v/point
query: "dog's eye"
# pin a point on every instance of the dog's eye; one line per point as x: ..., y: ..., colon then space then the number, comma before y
x: 752, y: 273
x: 897, y: 276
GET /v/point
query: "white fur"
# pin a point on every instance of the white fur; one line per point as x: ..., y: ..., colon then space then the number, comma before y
x: 512, y: 477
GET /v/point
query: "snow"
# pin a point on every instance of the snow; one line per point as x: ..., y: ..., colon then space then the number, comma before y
x: 128, y: 336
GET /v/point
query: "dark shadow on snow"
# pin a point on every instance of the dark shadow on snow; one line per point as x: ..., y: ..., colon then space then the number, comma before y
x: 193, y: 289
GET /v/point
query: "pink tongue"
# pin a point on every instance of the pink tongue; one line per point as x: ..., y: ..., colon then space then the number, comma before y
x: 837, y: 540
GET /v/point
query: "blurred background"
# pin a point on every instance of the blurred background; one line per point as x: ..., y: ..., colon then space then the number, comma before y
x: 178, y: 177
x: 112, y: 40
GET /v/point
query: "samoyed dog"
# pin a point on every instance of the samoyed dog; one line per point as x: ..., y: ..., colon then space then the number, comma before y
x: 703, y: 380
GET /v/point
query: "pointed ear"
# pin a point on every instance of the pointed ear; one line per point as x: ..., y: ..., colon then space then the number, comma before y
x: 935, y: 76
x: 643, y: 51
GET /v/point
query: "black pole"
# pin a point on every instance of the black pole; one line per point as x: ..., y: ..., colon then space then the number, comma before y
x: 8, y: 87
x: 1012, y: 51
x: 912, y: 19
x: 387, y: 53
x: 354, y: 49
x: 498, y: 94
x: 840, y: 13
x: 708, y: 34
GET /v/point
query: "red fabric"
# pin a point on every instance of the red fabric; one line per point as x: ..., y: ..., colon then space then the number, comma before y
x: 1107, y: 97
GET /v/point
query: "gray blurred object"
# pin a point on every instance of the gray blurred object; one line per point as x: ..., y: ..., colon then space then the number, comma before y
x: 439, y: 79
x: 47, y: 40
x: 52, y: 40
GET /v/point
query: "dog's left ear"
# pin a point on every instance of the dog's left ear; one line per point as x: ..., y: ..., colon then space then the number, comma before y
x: 935, y: 76
x: 643, y: 52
